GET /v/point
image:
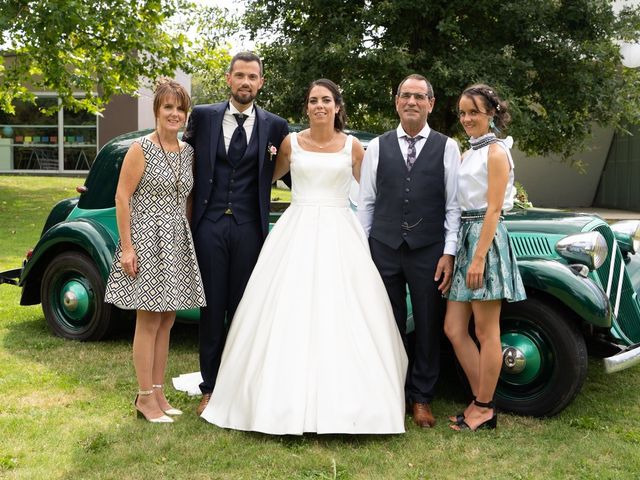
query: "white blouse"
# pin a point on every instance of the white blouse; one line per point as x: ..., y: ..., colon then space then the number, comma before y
x: 473, y: 178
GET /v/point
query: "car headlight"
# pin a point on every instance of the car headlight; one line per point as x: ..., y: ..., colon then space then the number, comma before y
x: 627, y: 234
x: 589, y: 248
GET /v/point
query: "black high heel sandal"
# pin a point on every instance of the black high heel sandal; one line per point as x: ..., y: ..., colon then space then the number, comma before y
x: 490, y: 424
x: 459, y: 418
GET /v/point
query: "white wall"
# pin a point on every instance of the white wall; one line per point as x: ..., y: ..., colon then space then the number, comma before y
x: 553, y: 183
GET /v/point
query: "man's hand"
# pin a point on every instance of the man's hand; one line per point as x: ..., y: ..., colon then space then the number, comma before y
x: 444, y: 271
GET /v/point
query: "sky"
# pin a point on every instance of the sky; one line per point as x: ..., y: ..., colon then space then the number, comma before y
x: 236, y: 6
x: 630, y: 51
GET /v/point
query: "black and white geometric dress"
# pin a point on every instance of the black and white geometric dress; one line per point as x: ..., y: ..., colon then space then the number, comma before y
x: 168, y: 276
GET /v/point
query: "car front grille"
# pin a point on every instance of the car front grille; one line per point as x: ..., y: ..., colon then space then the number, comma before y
x: 618, y: 287
x: 531, y: 246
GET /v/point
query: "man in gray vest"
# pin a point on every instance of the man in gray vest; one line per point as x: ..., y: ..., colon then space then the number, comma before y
x: 408, y: 208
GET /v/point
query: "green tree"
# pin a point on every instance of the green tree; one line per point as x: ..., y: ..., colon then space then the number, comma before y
x: 557, y: 61
x: 98, y: 47
x: 209, y: 55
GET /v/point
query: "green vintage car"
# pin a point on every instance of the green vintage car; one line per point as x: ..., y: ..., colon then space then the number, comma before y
x: 582, y: 278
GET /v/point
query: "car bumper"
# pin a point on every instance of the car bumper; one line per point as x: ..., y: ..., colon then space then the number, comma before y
x: 625, y: 359
x: 10, y: 276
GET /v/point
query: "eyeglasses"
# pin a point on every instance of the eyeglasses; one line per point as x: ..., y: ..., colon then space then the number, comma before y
x: 420, y: 97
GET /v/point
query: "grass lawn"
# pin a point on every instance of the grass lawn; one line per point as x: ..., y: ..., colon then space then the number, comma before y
x: 66, y: 409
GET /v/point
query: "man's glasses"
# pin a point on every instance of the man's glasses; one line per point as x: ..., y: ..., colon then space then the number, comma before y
x: 420, y: 97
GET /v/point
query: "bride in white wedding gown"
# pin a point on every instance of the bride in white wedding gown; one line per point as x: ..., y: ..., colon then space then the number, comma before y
x: 314, y: 346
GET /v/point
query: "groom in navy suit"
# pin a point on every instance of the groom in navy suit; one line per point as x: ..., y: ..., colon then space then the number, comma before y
x: 235, y: 144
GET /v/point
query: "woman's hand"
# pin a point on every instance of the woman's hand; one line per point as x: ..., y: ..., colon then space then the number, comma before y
x: 475, y: 273
x: 129, y: 262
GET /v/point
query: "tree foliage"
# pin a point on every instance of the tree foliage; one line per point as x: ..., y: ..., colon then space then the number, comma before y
x: 209, y: 55
x: 556, y: 61
x: 98, y: 47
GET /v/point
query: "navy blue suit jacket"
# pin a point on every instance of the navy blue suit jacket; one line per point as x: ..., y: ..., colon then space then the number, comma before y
x: 203, y: 133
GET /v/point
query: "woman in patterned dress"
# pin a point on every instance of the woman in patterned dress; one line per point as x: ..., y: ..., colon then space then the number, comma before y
x: 154, y: 269
x: 485, y: 270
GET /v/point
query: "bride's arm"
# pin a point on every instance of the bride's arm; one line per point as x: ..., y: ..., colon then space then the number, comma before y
x: 357, y: 153
x: 283, y: 160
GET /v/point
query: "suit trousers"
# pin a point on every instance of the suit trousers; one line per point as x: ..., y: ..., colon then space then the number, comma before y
x: 415, y: 268
x: 227, y: 253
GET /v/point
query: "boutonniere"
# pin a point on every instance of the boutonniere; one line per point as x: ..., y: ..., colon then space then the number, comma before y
x: 272, y: 151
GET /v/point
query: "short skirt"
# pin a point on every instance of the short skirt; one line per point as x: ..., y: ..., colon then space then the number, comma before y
x: 501, y: 278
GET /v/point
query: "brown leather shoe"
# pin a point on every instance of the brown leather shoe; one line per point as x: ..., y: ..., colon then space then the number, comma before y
x: 422, y: 415
x: 203, y: 403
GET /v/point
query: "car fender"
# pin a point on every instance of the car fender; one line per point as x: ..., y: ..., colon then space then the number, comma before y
x: 581, y: 295
x: 81, y: 234
x: 60, y: 212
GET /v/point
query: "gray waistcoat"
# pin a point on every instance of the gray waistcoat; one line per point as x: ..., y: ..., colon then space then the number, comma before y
x: 410, y: 206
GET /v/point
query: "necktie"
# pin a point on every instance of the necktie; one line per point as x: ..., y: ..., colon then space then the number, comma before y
x: 411, y: 150
x: 238, y: 143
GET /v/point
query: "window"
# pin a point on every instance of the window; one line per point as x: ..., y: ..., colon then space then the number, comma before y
x: 31, y: 140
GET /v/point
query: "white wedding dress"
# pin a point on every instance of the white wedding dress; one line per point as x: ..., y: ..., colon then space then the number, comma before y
x: 313, y: 346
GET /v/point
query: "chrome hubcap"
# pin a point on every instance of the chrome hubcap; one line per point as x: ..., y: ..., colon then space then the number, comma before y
x: 70, y: 301
x: 521, y: 358
x: 75, y: 299
x: 513, y: 360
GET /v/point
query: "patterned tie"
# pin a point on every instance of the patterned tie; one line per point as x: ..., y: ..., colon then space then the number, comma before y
x: 411, y: 150
x: 238, y: 143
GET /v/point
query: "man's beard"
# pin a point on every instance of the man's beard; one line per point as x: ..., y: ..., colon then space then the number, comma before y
x: 245, y: 99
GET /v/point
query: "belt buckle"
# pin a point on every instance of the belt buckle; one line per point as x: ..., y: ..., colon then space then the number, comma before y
x: 228, y: 212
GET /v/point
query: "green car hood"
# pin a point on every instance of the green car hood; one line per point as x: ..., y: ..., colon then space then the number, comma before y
x: 543, y: 221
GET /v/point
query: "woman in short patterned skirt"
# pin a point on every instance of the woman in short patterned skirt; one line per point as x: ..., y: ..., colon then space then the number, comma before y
x: 154, y: 268
x: 485, y: 270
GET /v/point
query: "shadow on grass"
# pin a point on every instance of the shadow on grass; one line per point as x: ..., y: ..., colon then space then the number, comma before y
x: 33, y: 335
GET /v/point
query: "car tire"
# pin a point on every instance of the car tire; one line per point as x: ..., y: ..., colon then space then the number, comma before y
x: 72, y: 295
x: 554, y: 353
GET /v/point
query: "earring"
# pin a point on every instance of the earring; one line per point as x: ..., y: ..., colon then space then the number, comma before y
x: 492, y: 125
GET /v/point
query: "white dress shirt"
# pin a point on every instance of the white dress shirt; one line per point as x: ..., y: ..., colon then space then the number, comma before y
x: 368, y: 192
x: 229, y: 123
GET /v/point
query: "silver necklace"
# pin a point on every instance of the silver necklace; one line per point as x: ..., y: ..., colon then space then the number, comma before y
x: 316, y: 145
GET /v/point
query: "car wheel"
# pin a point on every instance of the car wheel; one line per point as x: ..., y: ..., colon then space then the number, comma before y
x: 544, y: 359
x: 72, y: 294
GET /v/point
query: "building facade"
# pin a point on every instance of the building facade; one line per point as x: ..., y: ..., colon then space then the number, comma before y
x: 67, y: 142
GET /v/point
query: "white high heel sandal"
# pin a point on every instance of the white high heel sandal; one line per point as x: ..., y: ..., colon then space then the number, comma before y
x: 160, y: 419
x: 169, y: 411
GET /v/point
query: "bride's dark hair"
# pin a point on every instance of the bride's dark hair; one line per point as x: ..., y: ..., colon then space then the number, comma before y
x: 340, y: 119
